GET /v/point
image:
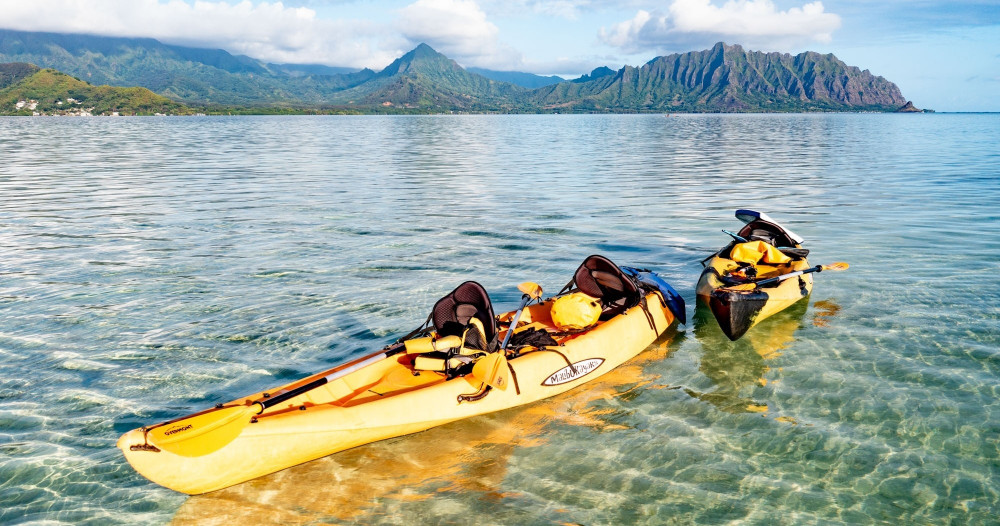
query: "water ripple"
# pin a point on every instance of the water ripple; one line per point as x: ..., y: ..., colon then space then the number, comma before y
x: 150, y: 267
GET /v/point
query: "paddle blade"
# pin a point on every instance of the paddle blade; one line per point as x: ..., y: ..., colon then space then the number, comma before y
x: 533, y: 290
x: 492, y: 370
x: 840, y: 265
x: 202, y: 434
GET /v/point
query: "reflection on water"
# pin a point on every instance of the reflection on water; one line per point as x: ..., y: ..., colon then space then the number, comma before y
x: 826, y: 310
x: 738, y: 368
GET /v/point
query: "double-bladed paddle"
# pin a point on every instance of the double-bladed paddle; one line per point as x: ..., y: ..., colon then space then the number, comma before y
x: 840, y: 265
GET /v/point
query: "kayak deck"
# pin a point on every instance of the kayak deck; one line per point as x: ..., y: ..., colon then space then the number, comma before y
x: 393, y: 376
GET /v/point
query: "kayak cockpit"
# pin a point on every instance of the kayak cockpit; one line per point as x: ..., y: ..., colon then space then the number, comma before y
x: 397, y: 375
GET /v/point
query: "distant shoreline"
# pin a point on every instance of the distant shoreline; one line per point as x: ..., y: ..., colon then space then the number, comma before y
x: 416, y: 114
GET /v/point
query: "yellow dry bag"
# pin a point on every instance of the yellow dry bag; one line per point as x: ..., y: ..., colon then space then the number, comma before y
x: 575, y: 311
x: 754, y: 252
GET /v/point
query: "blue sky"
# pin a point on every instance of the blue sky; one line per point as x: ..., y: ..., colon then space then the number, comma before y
x: 943, y: 55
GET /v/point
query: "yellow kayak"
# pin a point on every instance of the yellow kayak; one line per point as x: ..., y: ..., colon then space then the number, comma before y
x: 761, y: 250
x: 402, y: 389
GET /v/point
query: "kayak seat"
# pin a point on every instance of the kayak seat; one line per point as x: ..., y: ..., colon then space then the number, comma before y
x: 468, y: 313
x: 760, y: 234
x: 453, y: 359
x: 600, y: 278
x: 453, y: 313
x: 770, y: 233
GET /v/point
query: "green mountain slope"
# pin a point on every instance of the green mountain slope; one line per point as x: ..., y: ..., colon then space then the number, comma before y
x: 525, y: 80
x: 50, y: 92
x: 193, y: 75
x: 180, y: 73
x: 427, y: 80
x: 728, y: 78
x: 14, y: 72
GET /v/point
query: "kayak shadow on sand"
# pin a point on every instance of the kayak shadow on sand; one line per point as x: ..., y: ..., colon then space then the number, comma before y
x: 469, y: 457
x: 739, y: 368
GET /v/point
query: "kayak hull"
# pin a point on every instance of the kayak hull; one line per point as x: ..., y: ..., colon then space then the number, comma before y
x: 386, y: 399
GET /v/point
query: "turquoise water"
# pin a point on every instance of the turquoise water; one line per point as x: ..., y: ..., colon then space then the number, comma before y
x: 150, y: 267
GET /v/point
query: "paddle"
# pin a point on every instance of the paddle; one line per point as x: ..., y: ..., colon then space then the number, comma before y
x: 818, y: 268
x: 532, y: 291
x: 736, y: 236
x: 204, y: 433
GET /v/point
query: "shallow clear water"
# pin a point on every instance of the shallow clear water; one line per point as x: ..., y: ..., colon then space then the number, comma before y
x: 151, y: 267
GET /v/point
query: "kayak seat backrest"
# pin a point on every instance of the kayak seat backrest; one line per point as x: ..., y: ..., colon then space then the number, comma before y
x: 466, y: 312
x: 760, y: 234
x: 767, y: 232
x: 600, y: 278
x: 453, y: 314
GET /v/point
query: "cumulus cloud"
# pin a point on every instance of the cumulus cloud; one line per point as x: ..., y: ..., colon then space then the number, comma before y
x: 267, y: 31
x: 460, y: 30
x: 568, y: 9
x: 755, y: 23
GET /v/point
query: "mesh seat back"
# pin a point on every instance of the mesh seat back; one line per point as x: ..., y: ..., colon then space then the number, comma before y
x: 599, y: 277
x: 768, y: 232
x: 451, y: 314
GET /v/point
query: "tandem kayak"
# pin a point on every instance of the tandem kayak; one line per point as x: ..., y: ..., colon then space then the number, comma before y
x: 424, y: 380
x: 737, y: 282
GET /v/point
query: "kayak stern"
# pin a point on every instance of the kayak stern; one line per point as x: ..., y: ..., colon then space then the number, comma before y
x: 737, y: 311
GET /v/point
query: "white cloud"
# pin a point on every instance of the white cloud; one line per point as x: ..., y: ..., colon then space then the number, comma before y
x: 755, y: 23
x: 267, y: 31
x: 567, y: 9
x: 460, y: 30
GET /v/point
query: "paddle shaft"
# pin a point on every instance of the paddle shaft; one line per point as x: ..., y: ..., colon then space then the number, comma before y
x: 202, y: 436
x: 339, y: 373
x: 513, y: 322
x: 783, y: 277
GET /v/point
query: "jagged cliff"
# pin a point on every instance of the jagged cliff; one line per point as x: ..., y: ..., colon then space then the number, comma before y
x: 728, y: 78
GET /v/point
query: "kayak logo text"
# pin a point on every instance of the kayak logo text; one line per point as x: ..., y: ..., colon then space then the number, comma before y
x: 178, y: 430
x: 570, y: 373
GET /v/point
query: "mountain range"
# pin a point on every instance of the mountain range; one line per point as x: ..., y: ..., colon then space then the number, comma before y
x: 725, y: 78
